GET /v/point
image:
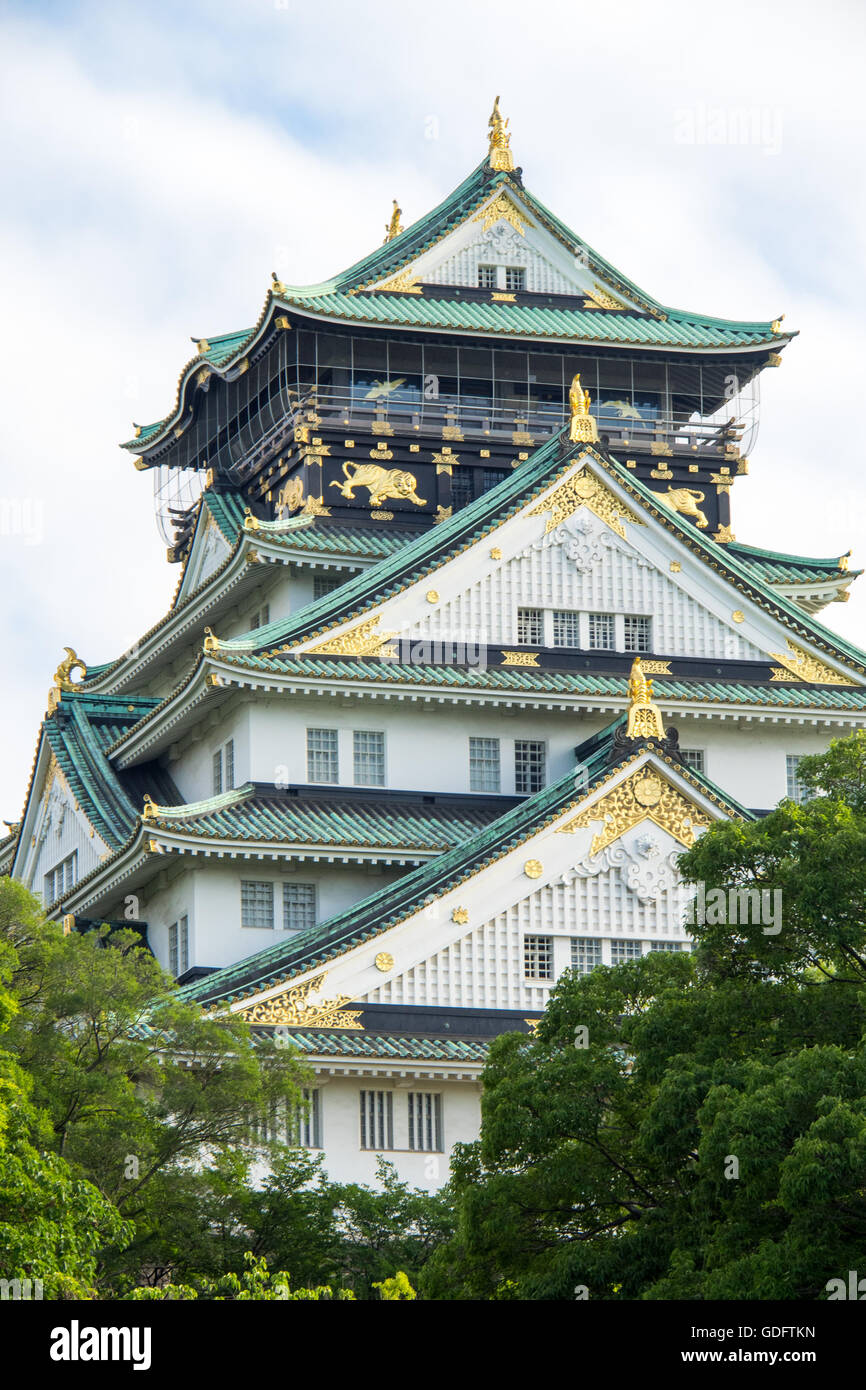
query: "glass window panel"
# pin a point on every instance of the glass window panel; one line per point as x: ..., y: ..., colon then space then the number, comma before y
x: 322, y: 755
x: 299, y: 906
x: 529, y: 766
x: 369, y: 752
x: 334, y: 351
x: 257, y: 903
x: 585, y: 954
x: 484, y: 769
x: 602, y: 631
x: 538, y: 957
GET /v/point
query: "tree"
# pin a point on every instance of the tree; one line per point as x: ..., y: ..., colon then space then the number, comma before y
x: 709, y: 1141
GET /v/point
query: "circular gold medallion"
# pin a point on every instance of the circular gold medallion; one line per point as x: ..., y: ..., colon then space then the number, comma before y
x: 584, y: 486
x: 737, y: 616
x: 384, y: 961
x: 648, y: 790
x: 533, y: 868
x: 432, y: 596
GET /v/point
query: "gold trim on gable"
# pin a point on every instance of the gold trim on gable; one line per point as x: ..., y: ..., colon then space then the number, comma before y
x: 645, y: 795
x: 585, y: 490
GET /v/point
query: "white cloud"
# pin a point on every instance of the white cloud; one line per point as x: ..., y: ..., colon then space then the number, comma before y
x: 160, y: 161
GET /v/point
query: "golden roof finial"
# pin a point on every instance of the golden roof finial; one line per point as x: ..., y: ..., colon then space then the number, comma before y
x: 151, y: 810
x: 776, y: 325
x: 583, y: 428
x: 644, y: 717
x: 63, y: 678
x: 499, y: 155
x: 395, y: 226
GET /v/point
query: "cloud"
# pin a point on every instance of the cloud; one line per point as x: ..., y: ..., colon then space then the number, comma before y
x: 160, y: 161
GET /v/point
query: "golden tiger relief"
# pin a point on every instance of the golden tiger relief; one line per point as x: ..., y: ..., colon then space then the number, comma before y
x: 382, y: 483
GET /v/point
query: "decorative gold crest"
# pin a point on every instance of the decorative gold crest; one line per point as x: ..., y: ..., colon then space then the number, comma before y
x: 292, y: 1009
x: 585, y: 490
x: 643, y: 796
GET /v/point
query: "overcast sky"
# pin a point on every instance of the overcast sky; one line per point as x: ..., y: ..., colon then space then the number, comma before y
x: 160, y: 160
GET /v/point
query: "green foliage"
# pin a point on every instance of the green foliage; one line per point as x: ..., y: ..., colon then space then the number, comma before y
x: 710, y: 1142
x: 393, y: 1290
x: 255, y: 1283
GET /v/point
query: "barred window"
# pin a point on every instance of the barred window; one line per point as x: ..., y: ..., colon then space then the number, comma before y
x: 484, y: 775
x: 178, y: 947
x: 218, y: 772
x: 172, y: 950
x: 326, y: 584
x: 305, y: 1121
x: 694, y: 758
x: 566, y: 629
x: 491, y: 476
x: 638, y: 634
x: 796, y: 790
x: 377, y: 1120
x: 266, y: 1126
x: 230, y: 765
x: 461, y: 488
x: 299, y: 906
x: 369, y: 748
x: 425, y: 1121
x: 529, y: 766
x: 257, y: 903
x: 487, y: 277
x: 261, y: 617
x: 538, y: 957
x: 530, y: 627
x: 61, y: 878
x: 515, y: 278
x: 322, y: 756
x: 625, y: 950
x: 663, y: 945
x: 602, y: 632
x: 585, y: 954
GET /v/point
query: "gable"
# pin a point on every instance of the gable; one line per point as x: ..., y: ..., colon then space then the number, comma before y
x: 208, y: 551
x: 56, y: 832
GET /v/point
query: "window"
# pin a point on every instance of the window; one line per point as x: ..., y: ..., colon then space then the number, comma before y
x: 663, y: 946
x: 637, y: 633
x: 566, y: 629
x: 218, y: 772
x: 487, y: 277
x: 694, y: 758
x: 224, y: 758
x: 529, y: 766
x: 538, y: 957
x: 326, y: 584
x: 625, y: 950
x: 585, y: 954
x: 484, y: 765
x: 515, y: 278
x: 425, y: 1121
x: 601, y: 631
x: 266, y: 1127
x: 530, y: 627
x: 305, y: 1123
x: 796, y: 790
x: 299, y: 906
x: 461, y: 489
x: 257, y: 903
x: 261, y: 617
x: 322, y: 758
x: 178, y: 947
x: 377, y: 1120
x: 369, y: 751
x: 230, y: 765
x: 490, y: 477
x: 61, y: 878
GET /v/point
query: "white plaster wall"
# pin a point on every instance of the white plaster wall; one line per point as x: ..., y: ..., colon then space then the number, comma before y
x: 61, y: 829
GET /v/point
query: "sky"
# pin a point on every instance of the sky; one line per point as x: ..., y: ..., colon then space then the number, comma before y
x: 159, y: 161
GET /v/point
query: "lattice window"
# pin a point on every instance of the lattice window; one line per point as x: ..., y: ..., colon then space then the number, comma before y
x: 305, y: 1121
x: 515, y: 279
x: 795, y: 789
x: 257, y: 903
x: 461, y: 489
x: 663, y: 946
x: 230, y: 764
x: 61, y: 878
x: 326, y: 584
x: 322, y: 755
x: 178, y: 947
x: 637, y: 633
x: 585, y: 954
x: 538, y: 957
x: 566, y: 629
x: 218, y: 772
x: 377, y: 1120
x: 369, y: 749
x: 694, y: 758
x: 530, y: 627
x: 602, y: 631
x: 490, y: 477
x: 484, y: 770
x: 529, y: 766
x: 487, y: 277
x: 425, y: 1121
x: 299, y: 906
x: 625, y: 950
x: 261, y: 617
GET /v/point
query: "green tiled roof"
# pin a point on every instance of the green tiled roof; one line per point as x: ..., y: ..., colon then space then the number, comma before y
x: 345, y: 298
x: 395, y: 902
x: 419, y: 557
x: 255, y: 813
x: 531, y: 680
x: 776, y: 567
x: 396, y: 1045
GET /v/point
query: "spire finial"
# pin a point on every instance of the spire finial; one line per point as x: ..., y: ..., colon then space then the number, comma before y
x: 499, y: 155
x: 394, y: 227
x: 644, y: 717
x: 583, y: 428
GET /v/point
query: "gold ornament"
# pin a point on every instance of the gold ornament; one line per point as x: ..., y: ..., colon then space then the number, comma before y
x: 583, y: 428
x: 460, y: 915
x: 292, y: 495
x: 315, y: 506
x: 520, y: 658
x: 808, y: 668
x: 502, y: 209
x: 432, y: 596
x: 643, y: 796
x: 685, y: 500
x: 533, y: 868
x: 292, y: 1009
x: 499, y: 154
x: 63, y: 677
x: 738, y: 616
x: 394, y: 227
x: 600, y: 298
x: 585, y: 490
x: 442, y: 514
x: 380, y: 482
x: 404, y: 283
x: 644, y: 717
x: 384, y: 962
x: 362, y: 640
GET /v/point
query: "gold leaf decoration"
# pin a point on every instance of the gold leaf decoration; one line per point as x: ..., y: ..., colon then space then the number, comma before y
x: 363, y: 640
x: 404, y: 283
x: 502, y: 209
x: 808, y: 668
x: 600, y: 298
x: 520, y: 658
x: 643, y: 796
x: 292, y: 1009
x: 585, y: 490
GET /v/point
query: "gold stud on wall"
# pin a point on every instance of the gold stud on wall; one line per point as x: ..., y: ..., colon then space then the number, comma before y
x: 533, y: 868
x: 384, y: 962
